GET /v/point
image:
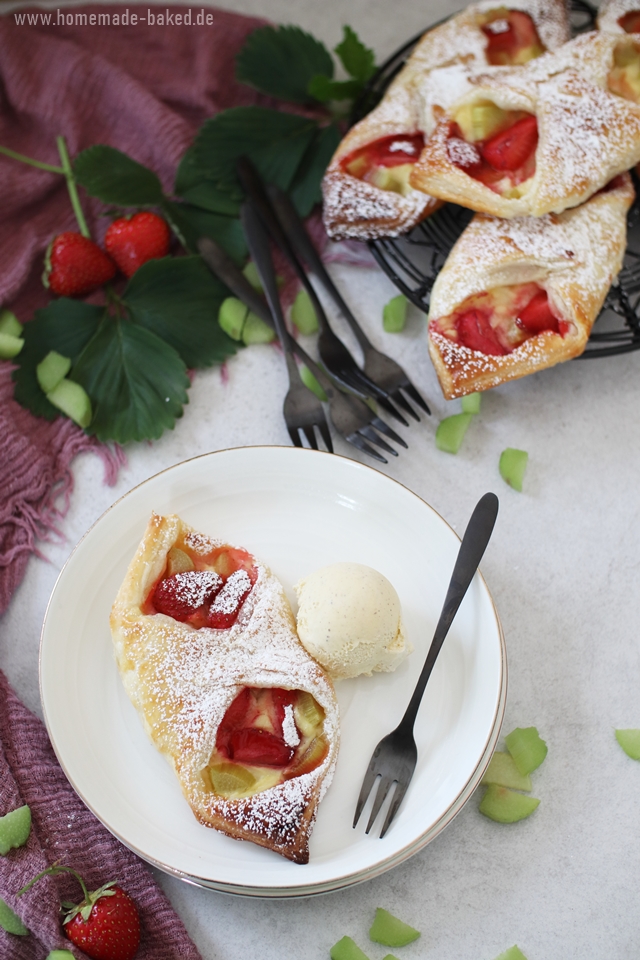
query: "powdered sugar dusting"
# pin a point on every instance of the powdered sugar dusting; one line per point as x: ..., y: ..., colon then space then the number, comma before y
x: 461, y: 153
x: 289, y: 729
x: 195, y: 586
x: 231, y: 594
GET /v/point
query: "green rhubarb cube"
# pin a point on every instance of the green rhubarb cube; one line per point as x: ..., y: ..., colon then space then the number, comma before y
x: 10, y: 324
x: 513, y: 464
x: 451, y: 431
x: 513, y: 953
x: 471, y: 403
x: 303, y: 314
x: 15, y: 828
x: 394, y: 314
x: 311, y: 383
x: 10, y: 346
x: 527, y: 748
x: 502, y: 770
x: 390, y: 931
x: 629, y: 740
x: 10, y: 921
x: 347, y: 949
x: 506, y: 806
x: 52, y: 370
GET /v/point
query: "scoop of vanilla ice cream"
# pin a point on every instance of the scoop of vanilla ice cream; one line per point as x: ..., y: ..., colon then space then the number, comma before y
x: 349, y: 620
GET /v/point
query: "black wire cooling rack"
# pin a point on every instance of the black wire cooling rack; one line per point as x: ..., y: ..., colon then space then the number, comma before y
x: 414, y: 260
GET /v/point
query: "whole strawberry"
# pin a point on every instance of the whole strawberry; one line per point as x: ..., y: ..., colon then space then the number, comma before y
x: 131, y: 241
x: 105, y: 925
x: 75, y: 265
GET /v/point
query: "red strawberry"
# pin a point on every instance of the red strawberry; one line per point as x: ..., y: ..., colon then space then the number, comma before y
x: 235, y: 717
x: 224, y: 610
x: 182, y: 594
x: 105, y: 925
x: 630, y: 22
x: 537, y: 315
x: 475, y: 331
x: 509, y: 35
x: 131, y: 241
x: 510, y: 148
x: 75, y: 265
x: 255, y: 746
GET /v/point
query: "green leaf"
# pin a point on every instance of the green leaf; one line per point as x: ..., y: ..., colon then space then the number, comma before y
x: 306, y: 189
x: 65, y: 326
x: 113, y: 177
x: 10, y: 921
x: 192, y: 185
x: 178, y: 299
x: 280, y: 61
x: 194, y: 223
x: 137, y: 383
x: 359, y: 61
x: 322, y: 88
x: 275, y: 142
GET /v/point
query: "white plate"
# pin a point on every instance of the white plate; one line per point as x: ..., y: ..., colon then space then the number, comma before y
x: 297, y: 510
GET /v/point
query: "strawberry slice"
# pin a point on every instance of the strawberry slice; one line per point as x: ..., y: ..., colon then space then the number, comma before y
x: 259, y: 747
x: 475, y: 331
x: 234, y: 719
x: 511, y: 148
x: 509, y: 36
x: 630, y: 22
x: 537, y: 315
x: 183, y: 594
x: 385, y: 152
x: 224, y: 610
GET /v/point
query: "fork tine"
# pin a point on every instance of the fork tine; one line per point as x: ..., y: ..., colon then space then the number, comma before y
x: 370, y: 778
x: 361, y: 444
x: 295, y: 437
x: 388, y: 432
x: 381, y: 796
x: 415, y: 396
x: 370, y: 434
x: 311, y: 437
x: 326, y: 436
x: 389, y: 407
x: 398, y: 797
x: 401, y: 400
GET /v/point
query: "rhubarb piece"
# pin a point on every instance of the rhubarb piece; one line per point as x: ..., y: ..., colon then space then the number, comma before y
x: 311, y: 383
x: 52, y: 370
x: 303, y: 314
x: 624, y: 77
x: 451, y: 431
x: 231, y: 779
x: 10, y: 324
x: 480, y: 120
x: 503, y: 772
x: 15, y: 828
x: 251, y: 273
x: 10, y: 346
x: 513, y: 464
x: 309, y: 715
x: 12, y: 923
x: 506, y: 806
x: 471, y: 403
x: 231, y: 317
x: 527, y: 748
x: 629, y: 740
x: 389, y: 956
x: 256, y: 330
x: 394, y: 314
x: 390, y: 931
x: 347, y: 949
x: 513, y: 953
x: 73, y: 400
x: 60, y: 955
x: 178, y: 562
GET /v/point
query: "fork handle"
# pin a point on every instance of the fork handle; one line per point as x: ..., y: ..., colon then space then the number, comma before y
x: 474, y: 543
x: 297, y: 234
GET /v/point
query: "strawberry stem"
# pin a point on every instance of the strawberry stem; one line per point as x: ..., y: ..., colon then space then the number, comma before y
x: 32, y: 163
x: 71, y: 186
x: 52, y: 871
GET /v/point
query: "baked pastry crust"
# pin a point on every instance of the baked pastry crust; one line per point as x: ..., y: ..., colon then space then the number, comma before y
x: 587, y: 135
x: 357, y: 209
x: 574, y: 256
x: 181, y: 681
x: 611, y: 11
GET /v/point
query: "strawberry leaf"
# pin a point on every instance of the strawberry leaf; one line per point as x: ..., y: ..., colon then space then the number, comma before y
x: 280, y: 61
x: 275, y: 142
x: 178, y: 300
x: 192, y: 185
x: 113, y: 177
x: 192, y: 222
x: 137, y: 383
x: 65, y: 326
x: 359, y: 61
x: 305, y: 191
x: 324, y: 89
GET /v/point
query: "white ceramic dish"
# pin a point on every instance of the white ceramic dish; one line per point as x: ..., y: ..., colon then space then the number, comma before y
x: 297, y: 510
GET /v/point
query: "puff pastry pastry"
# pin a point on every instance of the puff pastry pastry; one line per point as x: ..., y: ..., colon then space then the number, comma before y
x: 535, y: 140
x: 620, y: 16
x: 366, y: 189
x: 516, y: 296
x: 247, y: 718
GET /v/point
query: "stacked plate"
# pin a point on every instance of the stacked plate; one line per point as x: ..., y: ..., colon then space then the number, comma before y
x: 297, y: 510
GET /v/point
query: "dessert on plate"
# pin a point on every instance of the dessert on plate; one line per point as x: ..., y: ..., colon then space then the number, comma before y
x: 534, y: 140
x: 519, y: 295
x: 367, y: 188
x: 207, y: 649
x: 349, y: 619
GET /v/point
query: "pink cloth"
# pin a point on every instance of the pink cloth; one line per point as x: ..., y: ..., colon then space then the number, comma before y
x: 143, y: 89
x: 63, y: 830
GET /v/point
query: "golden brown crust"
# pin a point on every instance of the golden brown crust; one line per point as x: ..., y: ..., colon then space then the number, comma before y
x: 182, y: 680
x: 587, y: 135
x: 574, y: 256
